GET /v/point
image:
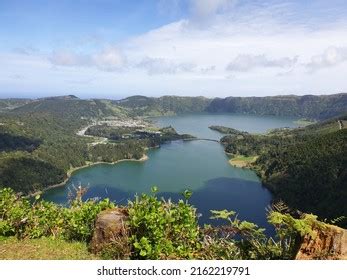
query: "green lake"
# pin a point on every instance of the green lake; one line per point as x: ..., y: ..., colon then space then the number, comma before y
x: 200, y: 166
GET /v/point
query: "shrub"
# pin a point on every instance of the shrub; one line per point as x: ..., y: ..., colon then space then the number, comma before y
x: 41, y: 218
x: 80, y: 218
x: 157, y: 228
x: 161, y: 229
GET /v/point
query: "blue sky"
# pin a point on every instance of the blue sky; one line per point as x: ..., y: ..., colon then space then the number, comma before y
x: 114, y: 48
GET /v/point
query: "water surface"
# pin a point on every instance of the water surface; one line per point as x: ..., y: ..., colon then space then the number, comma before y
x: 198, y: 124
x: 201, y: 166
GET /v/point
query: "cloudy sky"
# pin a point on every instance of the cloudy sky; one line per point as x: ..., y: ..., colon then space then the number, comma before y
x: 117, y: 48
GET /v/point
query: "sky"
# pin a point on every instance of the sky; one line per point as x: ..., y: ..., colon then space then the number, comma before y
x: 117, y: 48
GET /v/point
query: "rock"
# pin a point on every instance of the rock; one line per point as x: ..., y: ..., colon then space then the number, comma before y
x: 329, y: 243
x: 109, y: 227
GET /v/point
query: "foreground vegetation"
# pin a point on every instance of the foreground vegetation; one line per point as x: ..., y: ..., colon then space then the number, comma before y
x: 156, y: 229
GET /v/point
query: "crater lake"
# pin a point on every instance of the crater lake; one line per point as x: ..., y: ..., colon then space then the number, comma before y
x: 201, y: 166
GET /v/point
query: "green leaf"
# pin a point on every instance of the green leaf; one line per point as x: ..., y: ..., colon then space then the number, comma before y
x: 187, y: 194
x: 154, y: 189
x: 143, y: 253
x: 222, y: 214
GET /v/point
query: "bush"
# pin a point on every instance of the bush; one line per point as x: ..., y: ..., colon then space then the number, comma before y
x: 161, y: 229
x: 80, y: 218
x: 41, y: 218
x: 157, y: 228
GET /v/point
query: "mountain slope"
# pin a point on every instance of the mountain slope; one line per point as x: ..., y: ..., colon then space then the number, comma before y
x: 165, y: 105
x: 67, y: 108
x: 304, y: 167
x: 12, y: 103
x: 308, y: 106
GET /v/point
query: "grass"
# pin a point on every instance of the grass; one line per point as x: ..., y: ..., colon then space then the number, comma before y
x: 43, y: 249
x: 242, y: 161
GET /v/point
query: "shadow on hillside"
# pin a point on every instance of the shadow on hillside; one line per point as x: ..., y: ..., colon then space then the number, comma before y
x: 9, y: 142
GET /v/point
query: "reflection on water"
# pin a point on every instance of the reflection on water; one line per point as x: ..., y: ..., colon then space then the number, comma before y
x: 198, y: 165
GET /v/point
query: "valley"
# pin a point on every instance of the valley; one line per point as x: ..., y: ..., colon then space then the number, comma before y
x: 116, y: 150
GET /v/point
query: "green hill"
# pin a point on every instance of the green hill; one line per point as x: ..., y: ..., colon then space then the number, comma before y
x: 39, y: 145
x: 307, y: 106
x: 304, y: 167
x: 11, y: 103
x: 69, y: 108
x: 165, y: 105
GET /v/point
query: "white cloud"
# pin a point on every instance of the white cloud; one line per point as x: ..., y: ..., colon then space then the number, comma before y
x: 246, y: 62
x: 155, y: 66
x: 330, y: 57
x: 207, y: 69
x: 68, y: 58
x: 109, y: 59
x: 244, y: 50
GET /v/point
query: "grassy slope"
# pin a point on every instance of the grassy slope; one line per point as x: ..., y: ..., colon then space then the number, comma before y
x: 242, y: 161
x: 43, y: 249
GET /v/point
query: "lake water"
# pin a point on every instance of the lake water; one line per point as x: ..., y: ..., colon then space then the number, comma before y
x: 200, y: 166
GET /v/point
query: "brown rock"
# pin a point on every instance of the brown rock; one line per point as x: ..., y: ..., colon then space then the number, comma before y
x: 329, y: 242
x: 109, y: 227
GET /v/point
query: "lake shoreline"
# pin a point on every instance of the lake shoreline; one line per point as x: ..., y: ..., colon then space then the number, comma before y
x: 70, y: 172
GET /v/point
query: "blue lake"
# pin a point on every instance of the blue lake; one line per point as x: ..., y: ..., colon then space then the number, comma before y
x: 200, y: 166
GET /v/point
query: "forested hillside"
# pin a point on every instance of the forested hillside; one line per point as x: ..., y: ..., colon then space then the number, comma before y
x: 39, y: 142
x: 305, y: 167
x: 307, y: 106
x: 165, y: 105
x: 11, y: 103
x: 70, y: 107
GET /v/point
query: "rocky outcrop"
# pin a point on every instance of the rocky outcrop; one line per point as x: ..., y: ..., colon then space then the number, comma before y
x: 329, y: 242
x: 110, y: 226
